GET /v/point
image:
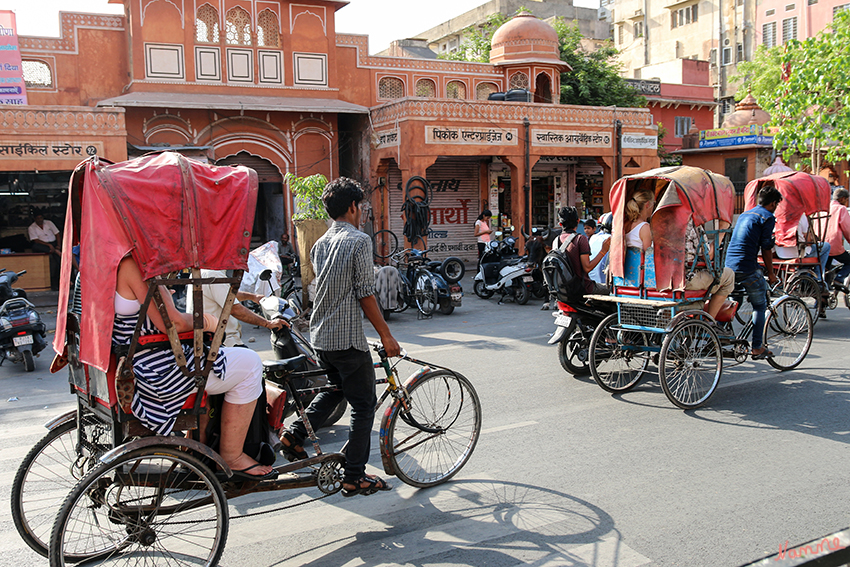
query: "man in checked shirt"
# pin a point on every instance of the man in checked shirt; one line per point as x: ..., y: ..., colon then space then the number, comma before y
x: 345, y: 284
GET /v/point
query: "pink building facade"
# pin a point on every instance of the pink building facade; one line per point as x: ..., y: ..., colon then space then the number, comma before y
x: 778, y: 21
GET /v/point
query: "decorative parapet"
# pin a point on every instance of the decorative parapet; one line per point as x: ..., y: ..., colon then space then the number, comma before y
x: 493, y: 111
x: 69, y: 23
x: 65, y: 120
x: 360, y: 42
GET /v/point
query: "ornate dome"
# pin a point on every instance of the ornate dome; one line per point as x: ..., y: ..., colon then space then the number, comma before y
x: 747, y: 112
x: 525, y: 39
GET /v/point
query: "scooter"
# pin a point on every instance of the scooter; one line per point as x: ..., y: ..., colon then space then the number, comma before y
x: 22, y: 332
x: 288, y: 342
x: 535, y: 250
x: 574, y: 325
x: 502, y: 271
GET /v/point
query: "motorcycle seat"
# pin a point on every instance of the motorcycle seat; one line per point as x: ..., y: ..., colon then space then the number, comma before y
x: 433, y: 265
x: 285, y: 365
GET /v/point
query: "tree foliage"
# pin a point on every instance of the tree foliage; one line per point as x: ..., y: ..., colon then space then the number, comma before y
x: 594, y: 79
x: 803, y: 86
x: 308, y: 195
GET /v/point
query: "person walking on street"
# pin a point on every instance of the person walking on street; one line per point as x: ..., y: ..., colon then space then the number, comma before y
x: 345, y: 284
x: 753, y: 234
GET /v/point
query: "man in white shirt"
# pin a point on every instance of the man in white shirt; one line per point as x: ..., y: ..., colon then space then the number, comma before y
x: 214, y: 298
x: 46, y: 239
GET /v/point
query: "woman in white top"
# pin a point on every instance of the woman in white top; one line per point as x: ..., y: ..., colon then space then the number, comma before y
x: 638, y: 210
x: 483, y: 231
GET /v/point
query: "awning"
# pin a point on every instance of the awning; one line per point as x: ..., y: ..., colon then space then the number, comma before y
x: 233, y: 102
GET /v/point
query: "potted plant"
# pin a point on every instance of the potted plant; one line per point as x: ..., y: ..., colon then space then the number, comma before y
x: 311, y: 219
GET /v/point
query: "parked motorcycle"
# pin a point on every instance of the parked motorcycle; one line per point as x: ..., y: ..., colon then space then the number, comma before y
x: 535, y: 251
x: 22, y: 332
x: 288, y: 342
x: 425, y: 284
x: 574, y: 325
x: 502, y: 271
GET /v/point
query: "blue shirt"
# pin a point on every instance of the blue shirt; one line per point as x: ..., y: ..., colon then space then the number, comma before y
x: 753, y: 233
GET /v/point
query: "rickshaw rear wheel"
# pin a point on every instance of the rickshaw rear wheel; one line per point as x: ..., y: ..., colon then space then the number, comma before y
x: 690, y: 364
x: 804, y: 286
x: 788, y: 333
x: 617, y: 358
x: 151, y: 506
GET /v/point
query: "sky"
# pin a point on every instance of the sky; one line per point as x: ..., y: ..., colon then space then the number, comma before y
x: 382, y: 20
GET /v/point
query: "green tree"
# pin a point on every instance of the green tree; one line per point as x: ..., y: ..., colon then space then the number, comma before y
x: 308, y: 195
x: 594, y: 79
x: 809, y: 102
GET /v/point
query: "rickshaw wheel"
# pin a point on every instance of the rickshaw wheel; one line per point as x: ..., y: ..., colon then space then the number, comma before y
x: 804, y: 286
x: 617, y: 358
x: 329, y: 477
x: 832, y: 300
x: 690, y: 364
x: 154, y: 506
x: 788, y: 333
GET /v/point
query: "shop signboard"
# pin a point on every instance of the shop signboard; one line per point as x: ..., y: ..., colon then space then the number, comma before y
x: 387, y: 138
x: 639, y: 142
x: 570, y: 139
x: 12, y: 87
x: 49, y: 149
x: 471, y: 136
x: 737, y: 136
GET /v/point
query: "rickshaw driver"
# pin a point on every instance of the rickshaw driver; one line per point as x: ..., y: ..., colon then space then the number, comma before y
x: 345, y: 283
x: 753, y: 233
x: 837, y: 230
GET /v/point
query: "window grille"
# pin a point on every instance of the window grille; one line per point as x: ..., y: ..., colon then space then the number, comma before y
x: 769, y: 13
x: 37, y: 74
x: 268, y: 33
x: 620, y: 34
x: 426, y: 88
x: 740, y: 55
x: 789, y: 29
x: 483, y: 90
x: 519, y: 81
x: 456, y: 89
x: 390, y: 87
x: 837, y: 9
x: 768, y: 34
x: 683, y: 125
x: 237, y: 27
x: 206, y: 25
x: 638, y: 29
x: 789, y: 7
x: 727, y: 56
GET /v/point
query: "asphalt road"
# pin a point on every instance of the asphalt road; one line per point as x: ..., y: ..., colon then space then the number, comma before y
x: 564, y: 473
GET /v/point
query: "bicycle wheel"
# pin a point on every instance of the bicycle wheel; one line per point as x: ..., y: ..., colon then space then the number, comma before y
x: 384, y: 244
x: 690, y: 364
x: 788, y: 333
x: 806, y: 287
x: 617, y: 358
x: 152, y: 506
x: 572, y: 352
x: 425, y: 291
x: 429, y: 444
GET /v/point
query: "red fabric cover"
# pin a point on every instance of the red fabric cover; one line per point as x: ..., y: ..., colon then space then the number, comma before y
x: 171, y: 212
x: 682, y: 192
x: 802, y: 193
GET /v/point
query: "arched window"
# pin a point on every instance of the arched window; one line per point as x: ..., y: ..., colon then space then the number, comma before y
x: 390, y: 87
x: 37, y: 74
x: 519, y: 81
x: 483, y: 90
x: 237, y: 27
x: 268, y: 32
x: 426, y: 88
x: 456, y: 89
x: 206, y: 25
x: 543, y: 89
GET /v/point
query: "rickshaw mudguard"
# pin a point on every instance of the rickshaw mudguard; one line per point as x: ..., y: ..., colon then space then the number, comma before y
x: 61, y: 419
x: 160, y: 441
x: 802, y: 193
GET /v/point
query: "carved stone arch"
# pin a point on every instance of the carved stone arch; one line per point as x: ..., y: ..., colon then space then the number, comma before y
x: 254, y: 128
x: 165, y: 21
x: 543, y: 87
x: 314, y: 152
x: 302, y: 123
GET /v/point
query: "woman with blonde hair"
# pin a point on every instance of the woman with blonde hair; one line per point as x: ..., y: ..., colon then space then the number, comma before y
x: 638, y: 210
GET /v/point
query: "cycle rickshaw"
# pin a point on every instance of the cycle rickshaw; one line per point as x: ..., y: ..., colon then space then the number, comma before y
x: 803, y: 195
x: 657, y: 321
x: 100, y: 487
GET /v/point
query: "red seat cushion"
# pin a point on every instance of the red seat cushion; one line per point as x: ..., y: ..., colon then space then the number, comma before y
x: 727, y: 311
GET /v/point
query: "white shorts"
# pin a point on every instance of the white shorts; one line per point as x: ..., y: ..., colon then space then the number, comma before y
x: 243, y: 376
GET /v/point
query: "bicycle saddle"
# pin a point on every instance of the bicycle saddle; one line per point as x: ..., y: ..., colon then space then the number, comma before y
x: 287, y: 364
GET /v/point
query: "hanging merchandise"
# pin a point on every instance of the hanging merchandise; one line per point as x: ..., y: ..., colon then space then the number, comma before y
x: 417, y: 213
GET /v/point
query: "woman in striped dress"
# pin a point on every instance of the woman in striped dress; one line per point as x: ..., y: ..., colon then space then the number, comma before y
x: 162, y: 389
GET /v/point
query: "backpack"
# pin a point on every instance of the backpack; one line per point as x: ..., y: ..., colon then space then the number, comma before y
x: 559, y: 275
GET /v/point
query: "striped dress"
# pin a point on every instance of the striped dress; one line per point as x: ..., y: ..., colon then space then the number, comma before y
x: 161, y: 388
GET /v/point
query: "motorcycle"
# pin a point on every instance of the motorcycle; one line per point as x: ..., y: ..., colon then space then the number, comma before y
x: 22, y: 332
x: 574, y: 326
x: 535, y: 250
x: 288, y: 342
x: 502, y: 271
x: 425, y: 284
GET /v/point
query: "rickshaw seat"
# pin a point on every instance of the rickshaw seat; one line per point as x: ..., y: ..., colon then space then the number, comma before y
x: 796, y: 261
x: 669, y: 295
x: 631, y: 267
x: 727, y: 311
x: 287, y: 364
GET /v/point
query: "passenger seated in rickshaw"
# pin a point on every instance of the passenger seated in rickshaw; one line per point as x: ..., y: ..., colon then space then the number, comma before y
x: 638, y: 233
x: 805, y: 248
x: 161, y: 389
x: 578, y: 251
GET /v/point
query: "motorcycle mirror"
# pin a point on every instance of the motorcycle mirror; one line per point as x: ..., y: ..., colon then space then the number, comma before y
x: 295, y: 308
x: 522, y: 231
x: 266, y: 275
